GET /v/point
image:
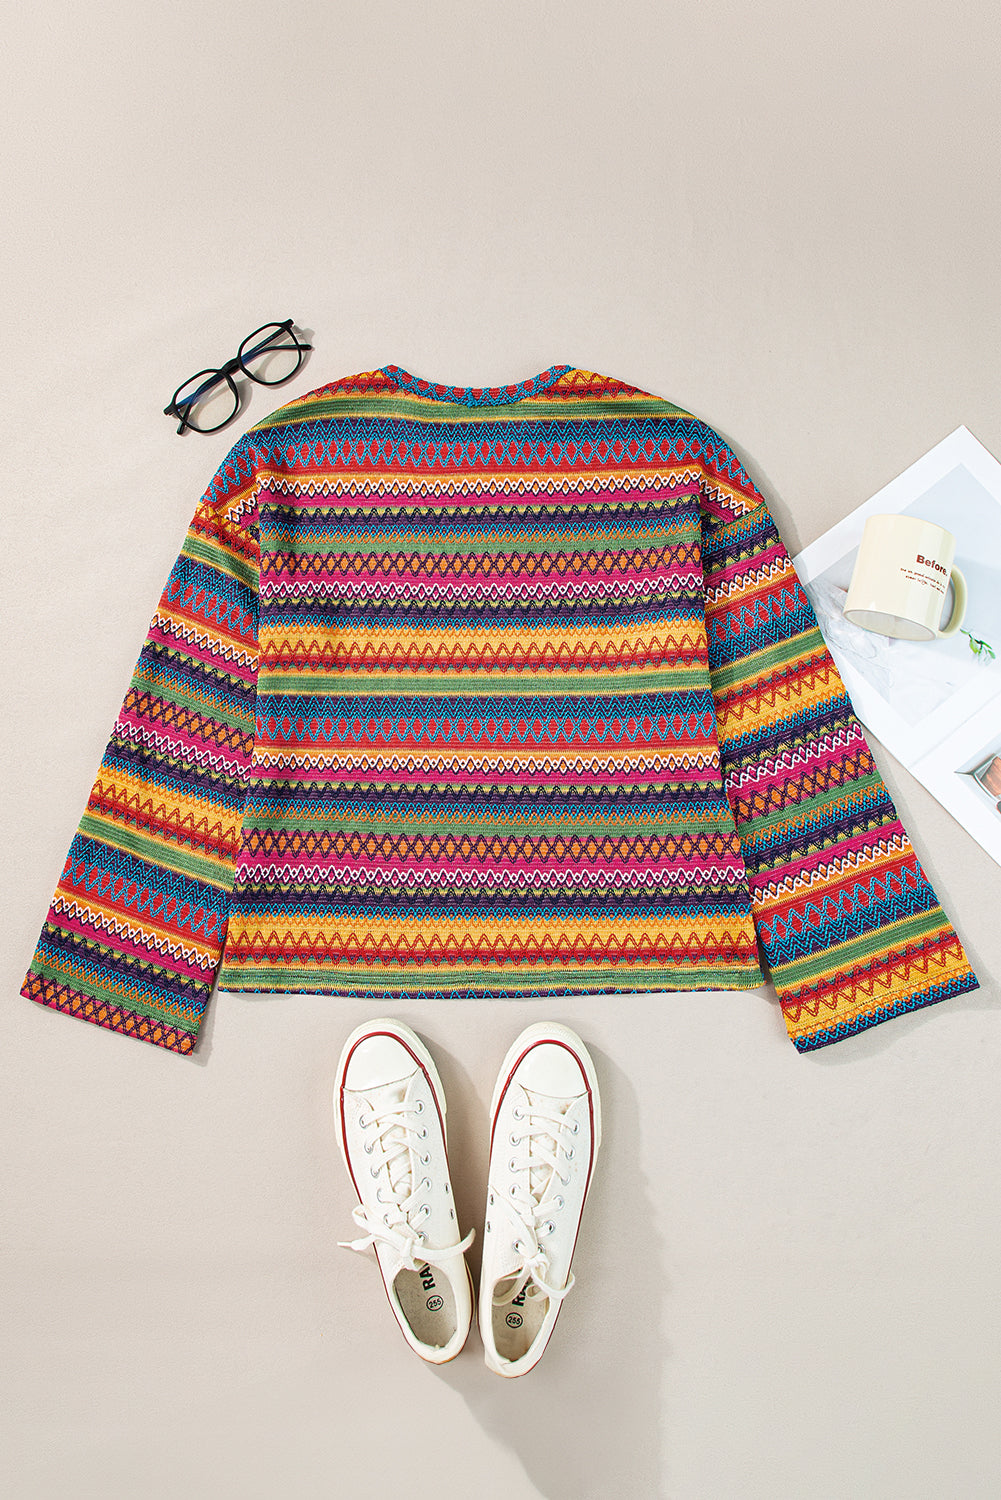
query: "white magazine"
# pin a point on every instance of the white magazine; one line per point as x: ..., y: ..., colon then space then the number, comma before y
x: 935, y: 705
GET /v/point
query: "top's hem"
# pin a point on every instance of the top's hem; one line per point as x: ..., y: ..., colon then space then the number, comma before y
x: 741, y: 982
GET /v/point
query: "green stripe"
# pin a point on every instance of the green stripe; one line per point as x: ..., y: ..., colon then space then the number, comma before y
x: 684, y: 679
x: 856, y: 952
x: 153, y: 851
x: 796, y: 810
x: 351, y: 981
x: 473, y: 826
x: 405, y: 505
x: 788, y: 653
x: 120, y: 1002
x: 530, y: 409
x: 305, y: 545
x: 212, y: 709
x: 215, y: 556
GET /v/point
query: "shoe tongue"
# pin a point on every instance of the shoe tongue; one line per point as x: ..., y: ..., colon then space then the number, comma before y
x: 540, y: 1176
x: 394, y: 1141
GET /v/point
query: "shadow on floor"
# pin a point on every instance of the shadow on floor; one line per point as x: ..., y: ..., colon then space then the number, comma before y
x: 586, y: 1422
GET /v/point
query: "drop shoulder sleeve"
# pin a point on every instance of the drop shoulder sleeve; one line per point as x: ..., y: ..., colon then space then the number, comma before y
x: 135, y: 930
x: 849, y: 926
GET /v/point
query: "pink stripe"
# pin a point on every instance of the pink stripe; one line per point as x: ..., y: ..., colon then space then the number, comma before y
x: 499, y: 776
x: 667, y: 570
x: 326, y: 865
x: 385, y: 492
x: 717, y: 576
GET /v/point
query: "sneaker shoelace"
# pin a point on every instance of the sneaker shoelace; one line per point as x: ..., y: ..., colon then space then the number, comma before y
x: 395, y: 1144
x: 546, y: 1132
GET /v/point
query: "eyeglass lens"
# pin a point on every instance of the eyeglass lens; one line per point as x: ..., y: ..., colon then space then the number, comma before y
x: 270, y: 354
x: 207, y: 401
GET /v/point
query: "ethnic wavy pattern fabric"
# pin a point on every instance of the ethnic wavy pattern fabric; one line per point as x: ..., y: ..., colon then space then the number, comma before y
x: 458, y: 692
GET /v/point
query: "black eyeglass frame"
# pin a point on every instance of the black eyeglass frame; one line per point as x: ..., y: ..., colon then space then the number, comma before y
x: 227, y: 371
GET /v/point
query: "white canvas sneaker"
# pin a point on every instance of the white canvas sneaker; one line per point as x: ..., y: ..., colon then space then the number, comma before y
x: 389, y: 1109
x: 545, y: 1132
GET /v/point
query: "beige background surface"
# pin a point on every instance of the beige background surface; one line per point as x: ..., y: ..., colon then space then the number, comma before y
x: 781, y: 215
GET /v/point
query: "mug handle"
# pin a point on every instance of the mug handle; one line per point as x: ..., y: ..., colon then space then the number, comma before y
x: 959, y: 600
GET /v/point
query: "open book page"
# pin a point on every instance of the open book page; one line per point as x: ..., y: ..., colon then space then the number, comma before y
x: 935, y: 705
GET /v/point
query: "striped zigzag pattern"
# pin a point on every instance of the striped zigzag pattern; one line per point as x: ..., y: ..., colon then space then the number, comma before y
x: 487, y: 693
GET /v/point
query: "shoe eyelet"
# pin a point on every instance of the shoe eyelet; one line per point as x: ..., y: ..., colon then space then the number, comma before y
x: 514, y: 1139
x: 427, y: 1184
x: 575, y: 1129
x: 426, y: 1158
x: 447, y: 1188
x: 550, y: 1227
x: 559, y: 1201
x: 419, y: 1106
x: 570, y: 1154
x: 373, y: 1171
x: 491, y: 1200
x: 451, y: 1213
x: 513, y: 1189
x: 518, y: 1112
x: 368, y: 1147
x: 423, y: 1132
x: 363, y: 1124
x: 512, y: 1165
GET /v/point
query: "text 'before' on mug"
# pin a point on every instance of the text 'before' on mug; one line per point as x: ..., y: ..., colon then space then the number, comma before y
x: 902, y: 574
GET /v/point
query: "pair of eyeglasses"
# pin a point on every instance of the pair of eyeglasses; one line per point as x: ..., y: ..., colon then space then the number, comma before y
x: 270, y: 355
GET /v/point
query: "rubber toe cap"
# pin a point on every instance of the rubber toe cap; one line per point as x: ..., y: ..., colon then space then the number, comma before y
x: 377, y: 1060
x: 551, y: 1068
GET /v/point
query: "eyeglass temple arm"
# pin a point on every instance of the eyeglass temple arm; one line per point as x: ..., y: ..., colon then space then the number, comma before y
x: 173, y: 410
x: 270, y: 344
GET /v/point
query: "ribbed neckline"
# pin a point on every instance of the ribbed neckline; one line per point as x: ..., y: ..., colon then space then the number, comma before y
x: 474, y: 395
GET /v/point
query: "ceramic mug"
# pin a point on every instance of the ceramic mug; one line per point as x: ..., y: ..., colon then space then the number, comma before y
x: 903, y: 569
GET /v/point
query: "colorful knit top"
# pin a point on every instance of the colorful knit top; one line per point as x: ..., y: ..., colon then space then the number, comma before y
x: 511, y: 692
